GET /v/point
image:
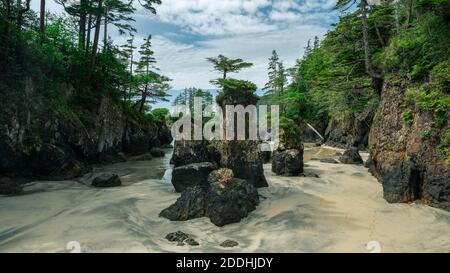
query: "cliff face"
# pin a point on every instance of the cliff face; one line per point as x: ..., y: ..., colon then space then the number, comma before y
x: 405, y: 156
x: 59, y: 148
x: 349, y: 131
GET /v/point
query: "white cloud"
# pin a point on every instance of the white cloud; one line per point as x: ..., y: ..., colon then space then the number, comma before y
x: 187, y: 65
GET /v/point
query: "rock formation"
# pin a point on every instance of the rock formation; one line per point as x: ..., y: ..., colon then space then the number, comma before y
x: 405, y: 159
x: 195, y: 174
x: 64, y: 149
x: 224, y: 200
x: 349, y: 131
x: 351, y: 156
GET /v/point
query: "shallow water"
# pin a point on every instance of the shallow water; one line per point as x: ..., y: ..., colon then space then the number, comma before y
x: 341, y: 211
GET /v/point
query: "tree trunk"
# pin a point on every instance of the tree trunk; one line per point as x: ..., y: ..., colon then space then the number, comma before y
x: 368, y: 55
x: 21, y: 12
x: 82, y: 27
x: 88, y: 35
x: 410, y: 11
x: 98, y: 21
x: 105, y: 32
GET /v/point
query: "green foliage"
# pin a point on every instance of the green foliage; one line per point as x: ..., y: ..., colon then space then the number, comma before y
x: 416, y: 50
x: 236, y: 92
x: 434, y: 95
x: 226, y: 65
x: 290, y: 134
x: 160, y: 115
x: 444, y: 146
x: 408, y: 117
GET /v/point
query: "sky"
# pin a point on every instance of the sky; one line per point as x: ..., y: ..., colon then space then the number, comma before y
x: 186, y: 32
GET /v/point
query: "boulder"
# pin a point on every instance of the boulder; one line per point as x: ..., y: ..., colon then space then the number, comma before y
x: 107, y: 180
x: 190, y: 205
x: 221, y: 176
x: 227, y: 200
x: 194, y: 151
x: 157, y: 152
x: 9, y: 187
x: 351, y: 156
x: 191, y: 175
x: 288, y: 162
x: 229, y: 203
x: 245, y: 159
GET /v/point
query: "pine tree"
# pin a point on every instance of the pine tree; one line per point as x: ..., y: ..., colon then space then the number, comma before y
x: 271, y: 85
x: 152, y: 86
x: 226, y: 65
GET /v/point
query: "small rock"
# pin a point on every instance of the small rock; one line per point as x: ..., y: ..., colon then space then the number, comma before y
x: 309, y: 174
x: 107, y: 180
x: 191, y: 242
x: 351, y: 156
x: 181, y: 238
x: 329, y: 160
x: 156, y: 152
x: 144, y: 157
x: 229, y: 243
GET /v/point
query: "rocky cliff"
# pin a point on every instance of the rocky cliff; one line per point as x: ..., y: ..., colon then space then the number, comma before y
x: 59, y: 146
x: 352, y: 130
x: 406, y: 152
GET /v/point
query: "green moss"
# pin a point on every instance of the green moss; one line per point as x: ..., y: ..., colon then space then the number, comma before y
x: 444, y: 146
x: 408, y: 117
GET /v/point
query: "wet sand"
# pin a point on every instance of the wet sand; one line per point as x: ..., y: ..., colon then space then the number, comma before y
x: 342, y: 211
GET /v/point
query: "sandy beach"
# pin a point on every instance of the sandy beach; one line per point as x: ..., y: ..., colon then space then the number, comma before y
x: 341, y: 211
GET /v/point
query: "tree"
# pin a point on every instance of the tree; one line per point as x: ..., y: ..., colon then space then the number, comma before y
x: 146, y: 62
x: 42, y: 18
x: 227, y: 65
x: 271, y: 85
x: 344, y: 5
x: 127, y: 55
x: 316, y: 42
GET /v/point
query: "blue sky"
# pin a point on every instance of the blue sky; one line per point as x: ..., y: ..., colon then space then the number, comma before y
x: 186, y: 32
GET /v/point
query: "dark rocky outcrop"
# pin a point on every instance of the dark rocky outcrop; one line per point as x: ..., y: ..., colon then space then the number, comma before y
x: 229, y: 202
x: 191, y: 175
x: 107, y: 180
x: 190, y: 205
x: 288, y: 162
x: 352, y: 130
x: 351, y: 156
x: 405, y: 160
x: 194, y: 151
x: 245, y: 159
x: 64, y: 148
x: 226, y: 200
